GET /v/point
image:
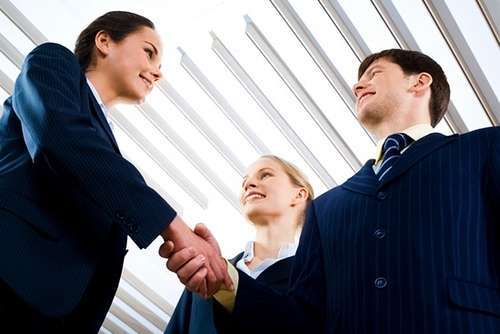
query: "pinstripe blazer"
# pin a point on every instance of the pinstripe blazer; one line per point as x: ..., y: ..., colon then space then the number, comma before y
x: 417, y: 253
x: 194, y: 315
x: 68, y: 199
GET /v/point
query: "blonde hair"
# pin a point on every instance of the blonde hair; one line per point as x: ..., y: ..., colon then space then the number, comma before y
x: 294, y: 173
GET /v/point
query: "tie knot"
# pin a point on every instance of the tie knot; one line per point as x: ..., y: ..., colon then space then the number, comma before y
x: 398, y: 140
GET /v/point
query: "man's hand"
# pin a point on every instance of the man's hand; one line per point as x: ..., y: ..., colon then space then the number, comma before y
x: 195, y: 258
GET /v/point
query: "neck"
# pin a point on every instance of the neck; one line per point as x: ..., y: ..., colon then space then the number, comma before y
x: 102, y: 85
x: 272, y: 235
x: 406, y: 120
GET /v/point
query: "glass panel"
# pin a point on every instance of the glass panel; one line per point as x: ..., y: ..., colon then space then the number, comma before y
x: 14, y: 35
x: 8, y: 67
x: 432, y: 43
x: 479, y: 37
x: 369, y: 24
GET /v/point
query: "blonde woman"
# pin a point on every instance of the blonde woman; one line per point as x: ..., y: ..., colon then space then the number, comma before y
x: 274, y: 196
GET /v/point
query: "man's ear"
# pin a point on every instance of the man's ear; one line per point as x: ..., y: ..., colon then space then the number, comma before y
x: 420, y: 82
x: 102, y: 43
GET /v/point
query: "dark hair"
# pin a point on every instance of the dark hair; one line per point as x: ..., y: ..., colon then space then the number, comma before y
x: 117, y: 24
x: 414, y: 62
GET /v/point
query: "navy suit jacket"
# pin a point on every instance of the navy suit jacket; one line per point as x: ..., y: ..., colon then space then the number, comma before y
x: 68, y: 199
x: 417, y: 253
x: 195, y: 315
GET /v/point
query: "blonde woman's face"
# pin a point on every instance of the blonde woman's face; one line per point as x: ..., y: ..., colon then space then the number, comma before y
x: 267, y: 191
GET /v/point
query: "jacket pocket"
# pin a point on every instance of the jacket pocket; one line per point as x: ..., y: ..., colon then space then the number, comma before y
x: 474, y: 296
x: 31, y: 213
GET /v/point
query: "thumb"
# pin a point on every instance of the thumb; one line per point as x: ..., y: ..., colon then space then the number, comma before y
x: 202, y: 231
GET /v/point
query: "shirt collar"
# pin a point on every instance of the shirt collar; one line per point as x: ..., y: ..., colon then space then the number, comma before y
x: 416, y: 132
x: 284, y: 252
x: 97, y: 96
x: 101, y: 104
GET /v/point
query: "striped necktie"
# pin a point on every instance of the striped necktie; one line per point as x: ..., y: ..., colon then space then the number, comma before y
x: 392, y: 148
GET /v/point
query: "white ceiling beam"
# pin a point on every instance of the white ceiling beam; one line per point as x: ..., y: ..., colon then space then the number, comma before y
x: 316, y: 52
x: 463, y: 53
x: 147, y: 292
x: 188, y: 111
x: 160, y: 158
x: 189, y: 153
x: 491, y: 12
x: 221, y: 102
x: 22, y: 22
x: 274, y: 115
x: 301, y: 94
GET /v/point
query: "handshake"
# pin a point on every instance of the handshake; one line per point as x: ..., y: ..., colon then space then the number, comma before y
x: 195, y: 257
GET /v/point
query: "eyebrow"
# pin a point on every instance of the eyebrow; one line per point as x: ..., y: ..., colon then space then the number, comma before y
x: 260, y: 170
x: 374, y: 67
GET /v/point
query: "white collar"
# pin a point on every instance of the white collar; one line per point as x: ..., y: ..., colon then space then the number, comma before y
x: 284, y: 251
x: 416, y: 132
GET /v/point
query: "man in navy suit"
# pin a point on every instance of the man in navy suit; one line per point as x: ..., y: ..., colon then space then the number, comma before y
x: 411, y: 242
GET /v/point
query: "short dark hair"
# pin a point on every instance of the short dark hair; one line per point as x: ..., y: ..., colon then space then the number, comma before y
x: 414, y: 62
x: 118, y: 24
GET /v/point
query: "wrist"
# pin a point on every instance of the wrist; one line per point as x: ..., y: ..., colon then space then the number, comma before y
x: 173, y: 229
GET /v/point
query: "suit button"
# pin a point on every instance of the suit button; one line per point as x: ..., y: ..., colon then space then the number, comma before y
x: 379, y: 233
x: 119, y: 216
x: 380, y: 283
x: 381, y: 195
x: 133, y: 228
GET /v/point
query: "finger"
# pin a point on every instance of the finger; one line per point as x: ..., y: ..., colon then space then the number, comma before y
x: 202, y: 289
x: 196, y: 280
x: 190, y: 268
x: 213, y: 283
x: 166, y: 249
x: 178, y: 259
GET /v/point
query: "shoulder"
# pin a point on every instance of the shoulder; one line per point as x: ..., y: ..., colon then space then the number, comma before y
x: 327, y: 197
x: 489, y: 132
x: 52, y: 54
x: 486, y: 138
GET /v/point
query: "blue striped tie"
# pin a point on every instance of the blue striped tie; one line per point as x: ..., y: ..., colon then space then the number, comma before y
x: 392, y: 148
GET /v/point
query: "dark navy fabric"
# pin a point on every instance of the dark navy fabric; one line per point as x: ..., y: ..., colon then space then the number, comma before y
x: 418, y: 252
x: 195, y: 315
x: 68, y: 199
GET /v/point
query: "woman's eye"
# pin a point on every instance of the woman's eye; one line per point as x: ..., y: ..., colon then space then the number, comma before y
x: 264, y: 175
x: 149, y: 52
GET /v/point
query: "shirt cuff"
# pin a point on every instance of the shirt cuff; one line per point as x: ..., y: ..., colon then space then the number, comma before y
x: 225, y: 296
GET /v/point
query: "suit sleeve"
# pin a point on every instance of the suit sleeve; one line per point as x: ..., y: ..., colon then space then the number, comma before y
x: 58, y: 132
x: 495, y: 163
x: 302, y: 308
x: 179, y: 322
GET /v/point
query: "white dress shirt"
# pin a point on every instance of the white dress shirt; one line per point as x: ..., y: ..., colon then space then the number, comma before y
x: 415, y: 132
x: 285, y: 251
x: 101, y: 104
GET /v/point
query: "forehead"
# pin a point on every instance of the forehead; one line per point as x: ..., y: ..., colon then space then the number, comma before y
x: 383, y: 63
x: 146, y: 34
x: 263, y: 163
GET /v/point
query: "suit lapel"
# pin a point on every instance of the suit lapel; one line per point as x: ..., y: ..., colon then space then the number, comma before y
x: 364, y: 181
x: 94, y: 105
x: 416, y: 152
x: 277, y: 272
